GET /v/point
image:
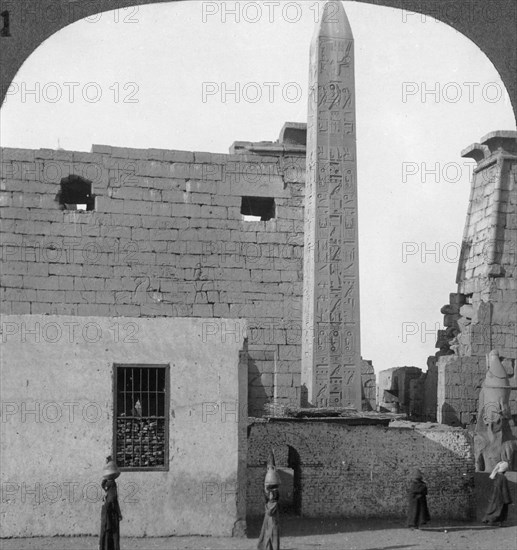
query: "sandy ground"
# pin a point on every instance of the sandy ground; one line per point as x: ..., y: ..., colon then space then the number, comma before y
x: 304, y: 534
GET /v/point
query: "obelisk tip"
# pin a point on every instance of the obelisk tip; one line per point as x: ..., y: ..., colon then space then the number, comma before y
x: 334, y: 22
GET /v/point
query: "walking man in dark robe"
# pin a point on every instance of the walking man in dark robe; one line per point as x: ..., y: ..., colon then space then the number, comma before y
x: 497, y: 509
x: 418, y: 513
x: 110, y: 513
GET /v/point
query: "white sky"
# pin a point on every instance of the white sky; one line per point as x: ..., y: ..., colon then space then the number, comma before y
x: 159, y: 56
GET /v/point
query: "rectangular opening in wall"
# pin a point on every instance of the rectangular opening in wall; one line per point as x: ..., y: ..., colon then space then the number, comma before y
x: 257, y: 208
x: 141, y: 417
x: 76, y: 194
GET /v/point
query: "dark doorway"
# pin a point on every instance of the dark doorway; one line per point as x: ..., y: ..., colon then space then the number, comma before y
x: 293, y: 462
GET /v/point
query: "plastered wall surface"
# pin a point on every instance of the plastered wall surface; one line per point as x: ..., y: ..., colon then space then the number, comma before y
x: 57, y: 426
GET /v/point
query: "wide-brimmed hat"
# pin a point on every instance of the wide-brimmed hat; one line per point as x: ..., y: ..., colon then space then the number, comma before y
x: 110, y: 470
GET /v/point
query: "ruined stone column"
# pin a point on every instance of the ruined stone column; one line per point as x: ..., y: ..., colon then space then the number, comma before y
x: 331, y: 356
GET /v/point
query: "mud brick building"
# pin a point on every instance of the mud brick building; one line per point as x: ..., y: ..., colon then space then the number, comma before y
x: 341, y: 469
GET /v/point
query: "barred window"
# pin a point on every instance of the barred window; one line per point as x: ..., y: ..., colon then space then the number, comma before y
x: 141, y: 417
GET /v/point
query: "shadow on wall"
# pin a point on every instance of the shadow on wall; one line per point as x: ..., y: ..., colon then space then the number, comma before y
x: 293, y: 462
x: 304, y: 397
x: 450, y: 416
x: 260, y: 382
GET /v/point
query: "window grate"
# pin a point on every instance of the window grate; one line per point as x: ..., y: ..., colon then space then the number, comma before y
x: 141, y: 397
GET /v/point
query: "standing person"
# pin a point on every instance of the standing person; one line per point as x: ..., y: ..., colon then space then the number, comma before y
x: 497, y: 509
x: 418, y: 513
x: 269, y: 538
x: 110, y: 513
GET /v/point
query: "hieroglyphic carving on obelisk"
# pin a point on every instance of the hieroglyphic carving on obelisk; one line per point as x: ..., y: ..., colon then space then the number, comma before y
x: 331, y: 356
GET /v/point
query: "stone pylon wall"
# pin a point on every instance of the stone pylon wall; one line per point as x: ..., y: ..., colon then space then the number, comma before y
x: 483, y: 314
x: 166, y: 238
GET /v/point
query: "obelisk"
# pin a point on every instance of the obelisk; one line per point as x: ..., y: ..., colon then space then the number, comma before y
x: 331, y: 353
